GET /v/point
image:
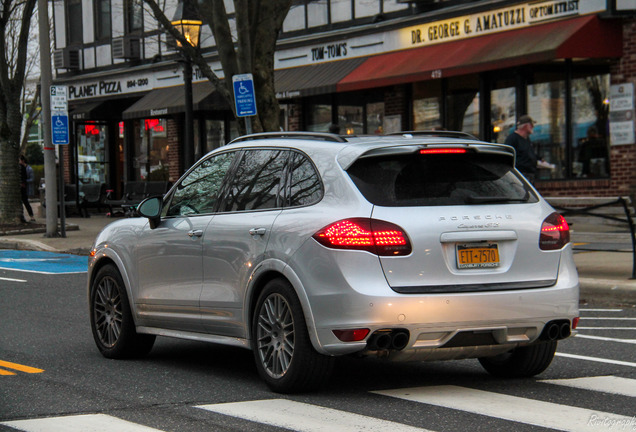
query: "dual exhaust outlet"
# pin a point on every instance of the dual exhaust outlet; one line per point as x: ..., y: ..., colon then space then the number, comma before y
x: 556, y: 330
x: 388, y: 339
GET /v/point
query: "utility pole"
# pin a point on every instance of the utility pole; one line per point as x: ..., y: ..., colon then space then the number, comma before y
x: 45, y: 95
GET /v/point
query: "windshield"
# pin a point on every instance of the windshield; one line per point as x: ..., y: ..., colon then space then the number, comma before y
x: 439, y: 179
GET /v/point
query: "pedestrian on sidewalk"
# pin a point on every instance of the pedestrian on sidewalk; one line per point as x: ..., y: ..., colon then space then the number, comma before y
x: 526, y: 161
x: 24, y: 191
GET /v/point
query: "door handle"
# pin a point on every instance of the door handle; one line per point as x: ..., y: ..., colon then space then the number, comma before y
x: 195, y: 233
x: 257, y: 231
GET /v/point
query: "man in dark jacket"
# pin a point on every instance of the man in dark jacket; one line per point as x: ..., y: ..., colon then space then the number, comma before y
x: 520, y: 139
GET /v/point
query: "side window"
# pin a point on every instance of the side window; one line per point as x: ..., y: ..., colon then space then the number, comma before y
x: 257, y: 181
x: 199, y: 191
x: 305, y: 186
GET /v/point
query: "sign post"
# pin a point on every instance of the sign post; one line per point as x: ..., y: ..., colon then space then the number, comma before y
x: 244, y: 98
x: 60, y: 137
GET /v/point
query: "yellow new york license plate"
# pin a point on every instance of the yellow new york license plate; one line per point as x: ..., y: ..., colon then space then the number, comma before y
x: 482, y: 255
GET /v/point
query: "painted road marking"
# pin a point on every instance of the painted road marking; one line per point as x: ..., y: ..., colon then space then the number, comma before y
x: 18, y: 367
x: 606, y: 328
x: 79, y: 423
x: 304, y: 417
x: 513, y: 408
x: 43, y: 262
x: 608, y: 318
x: 12, y: 280
x: 596, y: 359
x: 608, y: 339
x: 606, y: 384
x: 601, y: 310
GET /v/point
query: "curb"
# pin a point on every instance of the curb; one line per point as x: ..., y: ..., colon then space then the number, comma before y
x: 12, y: 243
x: 608, y: 291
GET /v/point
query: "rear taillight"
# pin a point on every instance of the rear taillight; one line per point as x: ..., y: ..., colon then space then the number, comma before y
x: 371, y: 235
x: 555, y: 233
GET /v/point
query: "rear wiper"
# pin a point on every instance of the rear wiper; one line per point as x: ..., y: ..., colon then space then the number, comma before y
x: 494, y: 199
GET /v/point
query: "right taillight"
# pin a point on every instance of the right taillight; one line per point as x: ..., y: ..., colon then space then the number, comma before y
x: 555, y: 232
x: 371, y: 235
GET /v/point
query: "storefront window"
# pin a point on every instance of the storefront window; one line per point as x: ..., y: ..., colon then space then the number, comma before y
x: 214, y: 135
x: 546, y: 105
x: 502, y: 113
x: 462, y: 105
x: 151, y: 150
x: 427, y: 105
x: 375, y: 118
x: 91, y: 153
x: 318, y: 117
x: 590, y: 143
x: 350, y: 119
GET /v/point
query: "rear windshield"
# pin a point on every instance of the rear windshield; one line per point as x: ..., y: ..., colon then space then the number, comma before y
x: 439, y: 179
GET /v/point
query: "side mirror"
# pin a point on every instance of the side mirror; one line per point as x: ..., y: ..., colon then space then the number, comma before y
x: 151, y: 208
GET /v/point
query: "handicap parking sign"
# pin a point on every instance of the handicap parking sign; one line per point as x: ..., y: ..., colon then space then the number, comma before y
x: 244, y: 97
x: 59, y: 129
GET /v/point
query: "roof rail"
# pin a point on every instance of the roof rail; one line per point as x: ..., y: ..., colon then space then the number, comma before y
x: 293, y: 135
x: 438, y: 133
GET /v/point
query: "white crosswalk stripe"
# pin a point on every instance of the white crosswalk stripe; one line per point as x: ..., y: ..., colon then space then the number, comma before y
x: 304, y: 417
x: 605, y: 384
x: 78, y: 423
x: 513, y: 408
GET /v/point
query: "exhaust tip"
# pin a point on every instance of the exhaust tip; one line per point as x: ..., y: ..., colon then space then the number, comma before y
x: 564, y: 331
x: 400, y: 340
x: 556, y: 330
x: 393, y: 339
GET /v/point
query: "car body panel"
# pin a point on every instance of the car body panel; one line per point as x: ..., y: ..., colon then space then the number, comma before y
x: 230, y: 252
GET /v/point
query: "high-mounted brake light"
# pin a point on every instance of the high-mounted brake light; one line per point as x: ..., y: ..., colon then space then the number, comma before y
x: 555, y: 232
x: 443, y: 151
x: 371, y: 235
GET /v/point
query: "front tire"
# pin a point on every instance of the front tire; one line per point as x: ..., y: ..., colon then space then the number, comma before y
x: 285, y: 357
x: 112, y: 323
x: 521, y: 362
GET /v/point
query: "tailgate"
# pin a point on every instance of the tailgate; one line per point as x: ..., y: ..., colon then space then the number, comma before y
x: 470, y: 248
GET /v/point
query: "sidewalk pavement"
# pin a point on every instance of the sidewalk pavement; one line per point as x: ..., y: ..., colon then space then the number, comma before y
x: 604, y: 275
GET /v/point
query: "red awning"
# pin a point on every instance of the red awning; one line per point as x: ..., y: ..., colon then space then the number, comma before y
x: 583, y: 37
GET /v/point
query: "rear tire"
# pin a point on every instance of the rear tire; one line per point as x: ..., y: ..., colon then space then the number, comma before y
x: 111, y: 319
x: 285, y: 358
x: 521, y: 362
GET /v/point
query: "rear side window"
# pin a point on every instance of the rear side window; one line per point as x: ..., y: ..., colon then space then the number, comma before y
x: 439, y: 179
x: 305, y: 186
x: 257, y: 181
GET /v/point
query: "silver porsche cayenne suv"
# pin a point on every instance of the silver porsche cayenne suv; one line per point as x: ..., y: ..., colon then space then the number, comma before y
x: 306, y: 246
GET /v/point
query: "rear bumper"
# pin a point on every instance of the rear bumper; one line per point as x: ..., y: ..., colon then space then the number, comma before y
x: 343, y: 300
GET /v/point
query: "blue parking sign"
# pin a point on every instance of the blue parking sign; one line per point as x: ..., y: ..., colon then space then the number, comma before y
x: 59, y: 129
x: 244, y: 97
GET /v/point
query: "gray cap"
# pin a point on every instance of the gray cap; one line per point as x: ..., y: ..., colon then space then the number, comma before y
x: 525, y: 119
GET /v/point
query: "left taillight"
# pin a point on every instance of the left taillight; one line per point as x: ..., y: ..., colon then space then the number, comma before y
x: 371, y: 235
x: 555, y: 232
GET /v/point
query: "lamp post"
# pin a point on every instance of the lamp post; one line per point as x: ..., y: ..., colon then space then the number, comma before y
x: 187, y: 22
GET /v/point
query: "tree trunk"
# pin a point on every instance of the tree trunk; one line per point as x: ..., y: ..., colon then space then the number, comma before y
x: 13, y: 57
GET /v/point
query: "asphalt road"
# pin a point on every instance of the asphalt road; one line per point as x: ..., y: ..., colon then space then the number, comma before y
x: 189, y: 386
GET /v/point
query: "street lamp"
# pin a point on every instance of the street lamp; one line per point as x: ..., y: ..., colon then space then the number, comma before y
x: 186, y: 21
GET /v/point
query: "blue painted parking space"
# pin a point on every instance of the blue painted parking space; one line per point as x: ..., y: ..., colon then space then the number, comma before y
x: 42, y: 262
